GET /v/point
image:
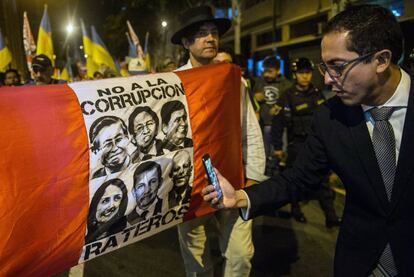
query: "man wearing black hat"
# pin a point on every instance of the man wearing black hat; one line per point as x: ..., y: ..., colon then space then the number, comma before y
x: 199, y: 34
x: 43, y: 71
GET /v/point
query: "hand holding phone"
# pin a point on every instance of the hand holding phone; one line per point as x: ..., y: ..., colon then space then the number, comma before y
x: 211, y: 175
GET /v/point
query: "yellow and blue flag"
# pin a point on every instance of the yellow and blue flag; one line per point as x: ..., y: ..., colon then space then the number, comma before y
x: 91, y: 66
x: 100, y: 53
x: 67, y: 72
x: 5, y: 54
x: 44, y: 38
x: 132, y: 52
x: 147, y: 56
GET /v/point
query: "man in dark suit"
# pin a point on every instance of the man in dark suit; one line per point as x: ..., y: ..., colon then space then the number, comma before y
x: 365, y: 134
x: 109, y: 141
x: 180, y: 174
x: 175, y: 126
x: 147, y: 182
x: 143, y: 127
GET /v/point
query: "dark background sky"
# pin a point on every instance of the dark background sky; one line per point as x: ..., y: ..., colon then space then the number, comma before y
x: 109, y: 17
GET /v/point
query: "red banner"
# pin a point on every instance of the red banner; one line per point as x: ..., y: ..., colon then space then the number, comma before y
x: 45, y: 166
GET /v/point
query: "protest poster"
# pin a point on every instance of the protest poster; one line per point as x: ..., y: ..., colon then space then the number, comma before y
x: 69, y: 150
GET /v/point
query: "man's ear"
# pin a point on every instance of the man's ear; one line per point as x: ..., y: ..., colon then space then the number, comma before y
x: 185, y: 42
x: 383, y: 59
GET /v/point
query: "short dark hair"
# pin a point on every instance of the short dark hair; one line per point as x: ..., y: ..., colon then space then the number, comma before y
x: 371, y: 28
x: 136, y: 112
x: 271, y: 62
x: 12, y: 70
x: 146, y: 166
x: 170, y: 107
x: 100, y: 123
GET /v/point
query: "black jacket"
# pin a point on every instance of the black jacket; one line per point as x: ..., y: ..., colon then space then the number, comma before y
x: 296, y: 115
x: 339, y: 140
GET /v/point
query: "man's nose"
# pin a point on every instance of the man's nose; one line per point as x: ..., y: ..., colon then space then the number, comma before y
x: 111, y: 203
x: 210, y: 37
x: 328, y: 80
x: 147, y: 188
x: 146, y: 129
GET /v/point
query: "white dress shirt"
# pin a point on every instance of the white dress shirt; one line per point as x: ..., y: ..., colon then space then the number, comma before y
x: 399, y: 100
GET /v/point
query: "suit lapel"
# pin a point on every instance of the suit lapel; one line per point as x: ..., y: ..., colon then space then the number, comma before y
x: 405, y: 165
x: 363, y: 144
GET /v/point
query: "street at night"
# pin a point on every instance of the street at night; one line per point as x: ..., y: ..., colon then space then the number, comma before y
x: 206, y: 138
x: 283, y: 247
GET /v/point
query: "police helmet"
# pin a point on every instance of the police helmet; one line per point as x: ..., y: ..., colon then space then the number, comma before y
x: 302, y: 64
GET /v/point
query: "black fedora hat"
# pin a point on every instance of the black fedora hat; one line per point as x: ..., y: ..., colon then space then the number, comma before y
x: 197, y: 16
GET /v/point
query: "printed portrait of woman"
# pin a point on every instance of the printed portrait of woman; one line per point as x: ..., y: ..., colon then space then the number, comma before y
x: 107, y: 210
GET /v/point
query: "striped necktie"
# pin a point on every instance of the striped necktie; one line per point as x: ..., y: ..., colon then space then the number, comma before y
x: 383, y: 141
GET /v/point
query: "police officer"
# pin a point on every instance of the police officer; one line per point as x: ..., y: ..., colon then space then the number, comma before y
x: 299, y: 102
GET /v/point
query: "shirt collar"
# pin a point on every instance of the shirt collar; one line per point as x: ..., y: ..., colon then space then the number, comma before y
x: 188, y: 65
x: 152, y: 151
x: 400, y: 96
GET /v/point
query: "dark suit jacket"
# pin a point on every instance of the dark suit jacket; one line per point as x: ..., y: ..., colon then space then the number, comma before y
x: 175, y: 199
x: 99, y: 173
x: 134, y: 217
x: 339, y: 140
x: 172, y: 147
x: 158, y: 147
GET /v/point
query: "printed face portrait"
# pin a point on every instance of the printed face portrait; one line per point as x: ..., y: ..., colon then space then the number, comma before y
x: 181, y: 169
x: 177, y: 127
x: 112, y: 142
x: 108, y: 205
x: 146, y: 185
x: 145, y: 129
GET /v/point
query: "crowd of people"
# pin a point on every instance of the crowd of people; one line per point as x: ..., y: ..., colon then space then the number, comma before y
x: 294, y: 136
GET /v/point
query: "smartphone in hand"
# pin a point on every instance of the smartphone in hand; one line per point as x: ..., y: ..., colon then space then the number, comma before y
x: 211, y: 175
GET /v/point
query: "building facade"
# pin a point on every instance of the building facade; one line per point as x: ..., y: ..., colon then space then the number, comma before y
x: 293, y: 28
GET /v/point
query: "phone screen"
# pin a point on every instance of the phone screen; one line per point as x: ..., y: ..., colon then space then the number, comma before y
x: 211, y: 175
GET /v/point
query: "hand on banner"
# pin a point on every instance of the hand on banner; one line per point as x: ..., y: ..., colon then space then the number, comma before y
x: 231, y: 198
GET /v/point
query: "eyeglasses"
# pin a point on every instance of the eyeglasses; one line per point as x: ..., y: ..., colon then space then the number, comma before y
x: 117, y: 141
x: 140, y: 127
x: 337, y: 70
